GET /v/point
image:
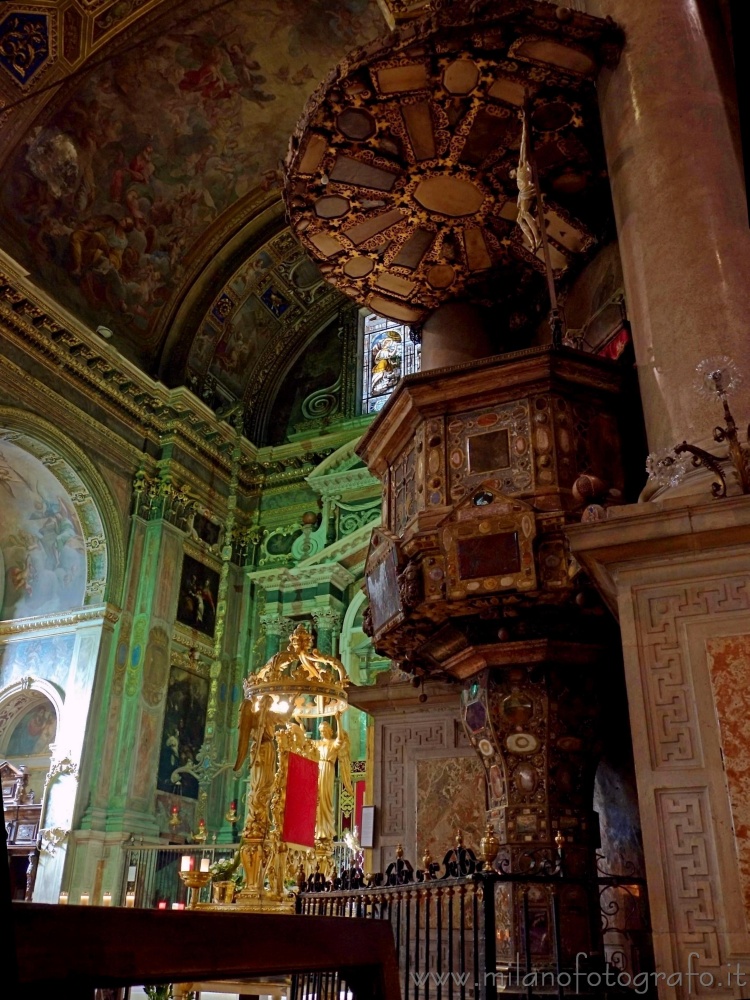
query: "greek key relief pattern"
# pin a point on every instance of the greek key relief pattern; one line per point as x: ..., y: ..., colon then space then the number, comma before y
x: 685, y: 821
x: 674, y: 735
x: 396, y: 740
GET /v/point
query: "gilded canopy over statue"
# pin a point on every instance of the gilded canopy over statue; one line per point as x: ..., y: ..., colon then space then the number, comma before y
x: 296, y: 683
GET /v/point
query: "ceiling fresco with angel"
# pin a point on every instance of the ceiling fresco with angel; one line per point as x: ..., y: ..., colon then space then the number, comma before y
x: 139, y: 172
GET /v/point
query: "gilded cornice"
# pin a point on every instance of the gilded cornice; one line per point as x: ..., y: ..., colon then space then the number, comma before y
x: 286, y: 578
x: 60, y: 342
x: 193, y: 640
x: 101, y: 613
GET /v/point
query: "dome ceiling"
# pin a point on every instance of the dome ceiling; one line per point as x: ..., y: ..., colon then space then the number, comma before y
x: 129, y: 186
x: 401, y: 175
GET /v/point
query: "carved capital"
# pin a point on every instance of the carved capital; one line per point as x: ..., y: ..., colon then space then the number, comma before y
x: 276, y: 624
x: 326, y: 618
x: 51, y: 838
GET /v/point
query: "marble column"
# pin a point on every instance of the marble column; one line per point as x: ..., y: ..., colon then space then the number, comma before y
x: 454, y: 333
x: 676, y: 174
x: 679, y: 580
x: 327, y: 624
x: 276, y: 627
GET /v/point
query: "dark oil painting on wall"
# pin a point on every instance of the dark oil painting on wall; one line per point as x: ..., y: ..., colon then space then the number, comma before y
x: 184, y: 725
x: 199, y: 592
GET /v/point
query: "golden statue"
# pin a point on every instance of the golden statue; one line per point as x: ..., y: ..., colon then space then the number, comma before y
x: 257, y: 722
x: 332, y: 749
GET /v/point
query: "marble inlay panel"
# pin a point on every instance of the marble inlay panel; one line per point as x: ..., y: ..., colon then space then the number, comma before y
x: 729, y: 660
x: 450, y: 796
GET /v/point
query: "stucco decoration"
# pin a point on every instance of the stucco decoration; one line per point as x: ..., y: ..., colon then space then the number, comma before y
x: 161, y: 155
x: 28, y: 44
x: 52, y: 545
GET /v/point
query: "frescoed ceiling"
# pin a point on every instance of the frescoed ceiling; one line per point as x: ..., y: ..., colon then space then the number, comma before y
x: 271, y: 306
x: 151, y: 174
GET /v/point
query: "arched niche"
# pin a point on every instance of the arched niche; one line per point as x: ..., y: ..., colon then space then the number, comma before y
x: 60, y: 543
x: 356, y: 650
x: 30, y: 712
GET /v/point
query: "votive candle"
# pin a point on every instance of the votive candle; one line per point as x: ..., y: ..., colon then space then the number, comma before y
x: 63, y: 899
x: 130, y: 900
x: 106, y: 899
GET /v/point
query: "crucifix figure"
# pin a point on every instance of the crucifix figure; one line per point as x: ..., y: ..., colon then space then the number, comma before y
x: 527, y: 192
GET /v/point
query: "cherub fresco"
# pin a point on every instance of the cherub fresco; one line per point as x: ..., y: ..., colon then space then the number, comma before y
x: 163, y: 154
x: 41, y: 541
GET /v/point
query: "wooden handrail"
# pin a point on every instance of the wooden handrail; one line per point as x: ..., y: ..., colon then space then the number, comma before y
x: 74, y: 949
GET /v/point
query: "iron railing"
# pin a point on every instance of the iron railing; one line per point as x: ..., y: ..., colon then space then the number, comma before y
x: 464, y: 931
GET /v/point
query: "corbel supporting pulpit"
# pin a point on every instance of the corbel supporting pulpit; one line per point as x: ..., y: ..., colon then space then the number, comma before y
x: 290, y: 805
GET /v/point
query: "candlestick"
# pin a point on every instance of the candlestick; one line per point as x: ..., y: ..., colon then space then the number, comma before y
x: 85, y: 898
x: 195, y: 882
x: 106, y: 899
x: 63, y: 899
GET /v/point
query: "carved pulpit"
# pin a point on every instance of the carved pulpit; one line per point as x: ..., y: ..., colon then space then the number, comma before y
x: 471, y: 578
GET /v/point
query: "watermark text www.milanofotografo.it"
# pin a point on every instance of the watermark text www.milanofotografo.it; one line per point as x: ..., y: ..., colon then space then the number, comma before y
x: 582, y: 980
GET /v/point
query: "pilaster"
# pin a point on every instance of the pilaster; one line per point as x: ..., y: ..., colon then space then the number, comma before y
x: 679, y: 580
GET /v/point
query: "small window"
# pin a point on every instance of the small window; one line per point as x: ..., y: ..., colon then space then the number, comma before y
x: 388, y: 354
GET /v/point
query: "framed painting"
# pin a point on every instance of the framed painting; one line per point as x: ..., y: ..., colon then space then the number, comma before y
x: 184, y: 728
x: 199, y: 594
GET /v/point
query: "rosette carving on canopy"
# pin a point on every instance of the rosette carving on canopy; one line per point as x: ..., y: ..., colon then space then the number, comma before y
x: 401, y: 175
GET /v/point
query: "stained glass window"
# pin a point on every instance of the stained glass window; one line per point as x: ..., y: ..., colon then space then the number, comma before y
x: 388, y: 354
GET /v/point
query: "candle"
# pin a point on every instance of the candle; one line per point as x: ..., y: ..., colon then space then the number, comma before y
x: 162, y: 904
x: 205, y: 862
x: 63, y: 900
x: 186, y: 863
x: 233, y: 805
x: 178, y: 906
x: 106, y: 899
x: 130, y: 900
x: 85, y: 898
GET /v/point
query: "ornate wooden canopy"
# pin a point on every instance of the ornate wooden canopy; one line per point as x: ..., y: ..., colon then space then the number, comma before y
x: 401, y: 174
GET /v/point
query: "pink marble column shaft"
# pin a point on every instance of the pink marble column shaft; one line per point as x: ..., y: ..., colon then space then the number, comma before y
x: 455, y: 333
x: 680, y: 207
